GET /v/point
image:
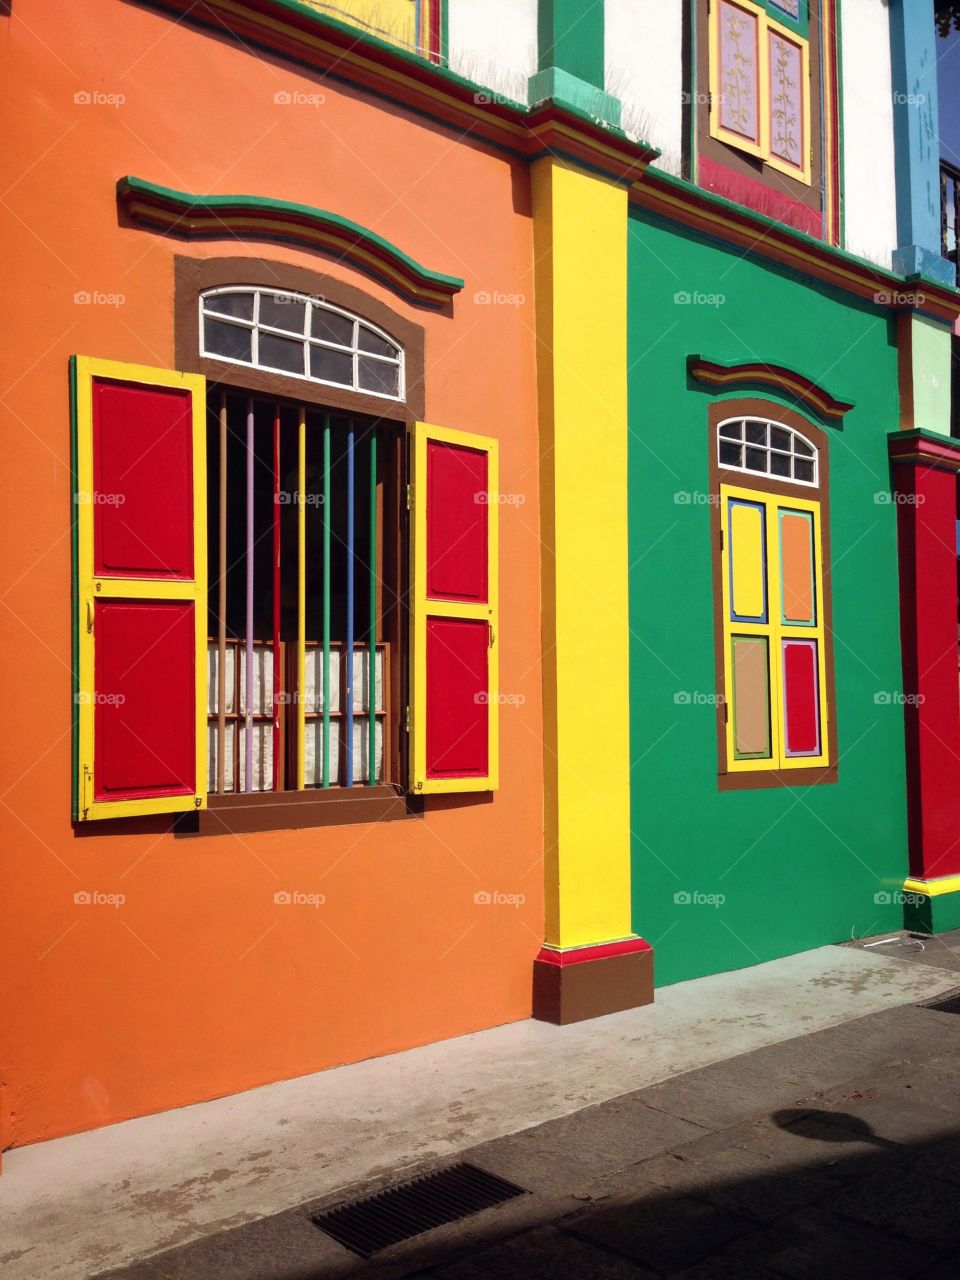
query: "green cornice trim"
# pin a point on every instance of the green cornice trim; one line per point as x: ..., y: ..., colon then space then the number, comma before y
x: 553, y: 84
x: 682, y: 202
x: 260, y: 217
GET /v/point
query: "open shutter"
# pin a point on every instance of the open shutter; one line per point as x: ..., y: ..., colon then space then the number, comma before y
x: 738, y: 56
x: 454, y: 690
x: 140, y: 590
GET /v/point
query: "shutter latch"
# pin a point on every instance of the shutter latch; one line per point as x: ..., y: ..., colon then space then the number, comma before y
x: 409, y: 497
x: 406, y: 720
x: 89, y: 615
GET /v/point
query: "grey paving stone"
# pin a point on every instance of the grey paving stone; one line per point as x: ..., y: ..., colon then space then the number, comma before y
x: 905, y: 1203
x: 546, y: 1255
x: 819, y: 1243
x: 286, y: 1246
x: 939, y: 1160
x: 566, y: 1154
x: 660, y: 1229
x: 890, y: 1113
x: 746, y: 1182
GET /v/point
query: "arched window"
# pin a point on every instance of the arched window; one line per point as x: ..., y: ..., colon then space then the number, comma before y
x: 766, y: 448
x: 772, y: 591
x: 300, y: 336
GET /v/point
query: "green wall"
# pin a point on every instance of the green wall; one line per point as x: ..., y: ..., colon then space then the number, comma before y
x: 802, y: 866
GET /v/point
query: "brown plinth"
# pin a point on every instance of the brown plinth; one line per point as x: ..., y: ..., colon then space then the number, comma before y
x: 564, y: 993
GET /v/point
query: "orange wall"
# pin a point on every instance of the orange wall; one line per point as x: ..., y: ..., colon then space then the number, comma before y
x: 198, y: 985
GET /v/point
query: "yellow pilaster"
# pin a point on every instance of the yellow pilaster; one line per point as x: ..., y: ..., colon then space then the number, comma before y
x: 580, y: 241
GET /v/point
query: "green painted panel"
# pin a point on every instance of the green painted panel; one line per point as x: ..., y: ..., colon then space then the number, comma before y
x: 722, y: 880
x: 931, y: 374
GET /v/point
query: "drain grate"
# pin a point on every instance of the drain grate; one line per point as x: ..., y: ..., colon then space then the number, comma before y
x: 950, y: 1003
x: 369, y: 1225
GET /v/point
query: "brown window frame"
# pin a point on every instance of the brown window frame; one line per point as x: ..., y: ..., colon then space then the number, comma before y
x: 272, y: 810
x: 749, y: 407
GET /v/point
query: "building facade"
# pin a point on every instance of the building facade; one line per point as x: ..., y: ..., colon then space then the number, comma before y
x: 491, y: 529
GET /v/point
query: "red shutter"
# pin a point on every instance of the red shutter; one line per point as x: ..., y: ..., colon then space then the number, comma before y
x: 454, y: 677
x: 140, y: 590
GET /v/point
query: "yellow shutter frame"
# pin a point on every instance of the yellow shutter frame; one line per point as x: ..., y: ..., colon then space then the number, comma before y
x: 423, y: 608
x: 89, y: 587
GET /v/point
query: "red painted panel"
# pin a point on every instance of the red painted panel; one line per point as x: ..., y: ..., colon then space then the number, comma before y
x: 457, y: 698
x: 456, y: 522
x: 144, y: 717
x: 801, y: 698
x: 142, y: 480
x: 759, y: 197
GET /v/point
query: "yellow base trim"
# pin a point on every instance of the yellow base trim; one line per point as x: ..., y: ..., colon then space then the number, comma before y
x: 933, y: 888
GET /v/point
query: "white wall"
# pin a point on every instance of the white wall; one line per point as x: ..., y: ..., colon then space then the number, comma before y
x: 494, y: 42
x: 868, y: 158
x: 644, y: 69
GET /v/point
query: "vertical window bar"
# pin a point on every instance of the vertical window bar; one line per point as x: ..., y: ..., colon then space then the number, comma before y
x: 301, y: 595
x: 222, y: 604
x: 348, y: 683
x: 326, y: 600
x: 276, y: 597
x: 248, y: 693
x: 372, y: 633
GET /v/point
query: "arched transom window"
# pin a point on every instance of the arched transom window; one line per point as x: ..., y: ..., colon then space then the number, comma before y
x: 301, y: 337
x: 766, y: 448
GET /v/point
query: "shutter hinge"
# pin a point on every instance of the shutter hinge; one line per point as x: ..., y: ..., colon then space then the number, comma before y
x: 409, y: 497
x: 89, y: 615
x: 721, y: 539
x: 406, y: 720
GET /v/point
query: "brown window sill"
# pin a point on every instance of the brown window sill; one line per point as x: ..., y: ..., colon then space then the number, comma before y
x: 290, y: 810
x: 749, y: 780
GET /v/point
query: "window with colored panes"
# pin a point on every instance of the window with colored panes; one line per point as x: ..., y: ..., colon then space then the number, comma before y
x: 773, y: 634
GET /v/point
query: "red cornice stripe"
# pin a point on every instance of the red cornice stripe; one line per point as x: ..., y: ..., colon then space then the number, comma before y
x: 690, y: 207
x: 924, y: 450
x: 582, y: 955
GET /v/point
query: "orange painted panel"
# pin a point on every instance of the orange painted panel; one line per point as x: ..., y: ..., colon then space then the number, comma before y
x: 796, y: 567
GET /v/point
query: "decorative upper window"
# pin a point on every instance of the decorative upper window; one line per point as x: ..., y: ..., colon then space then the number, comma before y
x: 760, y: 84
x: 768, y: 449
x: 301, y: 337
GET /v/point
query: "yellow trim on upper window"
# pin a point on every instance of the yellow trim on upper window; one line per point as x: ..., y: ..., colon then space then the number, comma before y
x: 91, y: 587
x: 421, y: 608
x: 774, y: 630
x: 761, y: 147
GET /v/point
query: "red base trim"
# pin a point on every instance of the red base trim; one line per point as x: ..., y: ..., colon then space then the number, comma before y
x: 580, y: 955
x: 756, y: 195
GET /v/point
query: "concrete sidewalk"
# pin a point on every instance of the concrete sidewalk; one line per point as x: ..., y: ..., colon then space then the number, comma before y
x: 531, y: 1102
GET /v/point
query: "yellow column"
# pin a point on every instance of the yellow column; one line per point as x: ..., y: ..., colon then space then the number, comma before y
x: 580, y: 240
